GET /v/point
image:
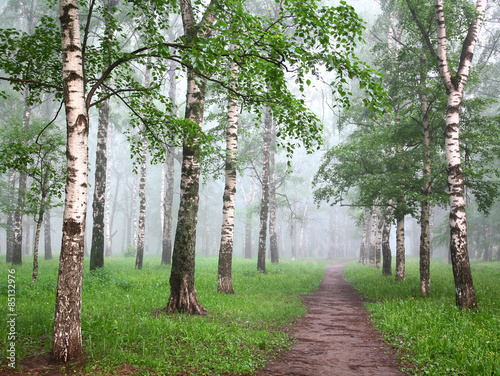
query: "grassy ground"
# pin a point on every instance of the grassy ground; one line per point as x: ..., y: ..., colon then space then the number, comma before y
x: 431, y: 333
x: 120, y: 328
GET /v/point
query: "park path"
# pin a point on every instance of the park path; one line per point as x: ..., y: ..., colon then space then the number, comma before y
x: 335, y: 338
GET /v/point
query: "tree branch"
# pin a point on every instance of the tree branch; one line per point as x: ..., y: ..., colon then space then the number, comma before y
x: 425, y: 34
x: 37, y: 83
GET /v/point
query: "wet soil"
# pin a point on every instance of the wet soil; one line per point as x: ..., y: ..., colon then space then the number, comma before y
x: 335, y: 338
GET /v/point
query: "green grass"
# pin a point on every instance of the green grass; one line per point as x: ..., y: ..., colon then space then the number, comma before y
x: 431, y: 334
x: 120, y: 328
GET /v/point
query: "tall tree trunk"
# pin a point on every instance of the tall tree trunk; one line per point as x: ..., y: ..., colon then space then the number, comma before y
x: 378, y: 245
x: 464, y: 286
x: 27, y: 237
x: 34, y: 275
x: 108, y: 216
x: 17, y: 229
x: 400, y: 245
x: 425, y: 233
x: 248, y: 199
x: 264, y: 208
x: 207, y: 225
x: 293, y: 235
x: 141, y: 231
x: 67, y: 336
x: 39, y: 223
x: 225, y: 282
x: 48, y: 237
x: 386, y: 245
x: 488, y: 234
x: 373, y: 236
x: 182, y: 291
x: 17, y: 250
x: 10, y: 218
x: 331, y: 234
x: 273, y: 237
x: 364, y: 242
x: 168, y: 202
x: 248, y: 234
x: 99, y: 203
x: 303, y: 224
x: 134, y: 210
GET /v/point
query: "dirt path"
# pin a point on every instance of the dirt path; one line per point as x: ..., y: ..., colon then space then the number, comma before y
x: 335, y: 338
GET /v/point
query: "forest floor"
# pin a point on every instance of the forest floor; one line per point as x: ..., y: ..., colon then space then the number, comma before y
x: 335, y: 338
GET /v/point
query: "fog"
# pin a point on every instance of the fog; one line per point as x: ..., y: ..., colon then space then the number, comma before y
x: 306, y: 229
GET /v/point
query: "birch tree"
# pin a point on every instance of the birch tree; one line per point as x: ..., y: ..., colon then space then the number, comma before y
x: 224, y: 282
x: 168, y: 201
x: 455, y: 85
x: 98, y: 247
x: 182, y: 289
x: 454, y: 81
x: 264, y: 203
x: 67, y: 335
x: 273, y: 236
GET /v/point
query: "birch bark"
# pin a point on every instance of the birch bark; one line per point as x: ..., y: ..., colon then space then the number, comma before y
x: 67, y: 336
x: 400, y: 245
x: 99, y: 202
x: 464, y: 287
x: 141, y: 231
x: 425, y: 235
x: 386, y: 245
x: 303, y: 224
x: 373, y: 236
x: 166, y: 254
x: 225, y: 283
x: 364, y: 242
x: 264, y: 208
x: 378, y: 244
x: 47, y: 236
x: 273, y: 237
x: 168, y: 202
x: 17, y: 228
x: 10, y: 218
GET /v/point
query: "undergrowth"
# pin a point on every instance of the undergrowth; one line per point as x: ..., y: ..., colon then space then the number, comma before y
x: 431, y: 333
x: 120, y: 326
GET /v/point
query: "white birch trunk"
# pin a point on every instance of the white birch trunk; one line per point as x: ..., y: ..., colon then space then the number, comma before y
x: 303, y: 223
x: 134, y: 210
x: 273, y: 237
x: 373, y: 236
x: 108, y: 219
x: 67, y: 336
x: 425, y: 235
x: 464, y: 286
x: 48, y: 238
x: 264, y: 208
x: 224, y: 282
x: 386, y: 246
x: 141, y: 231
x: 400, y: 247
x: 364, y: 242
x: 378, y: 244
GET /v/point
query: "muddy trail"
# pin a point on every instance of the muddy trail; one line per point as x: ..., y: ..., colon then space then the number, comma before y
x: 335, y: 338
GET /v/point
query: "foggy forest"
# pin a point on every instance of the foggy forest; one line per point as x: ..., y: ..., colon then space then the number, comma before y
x: 178, y: 177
